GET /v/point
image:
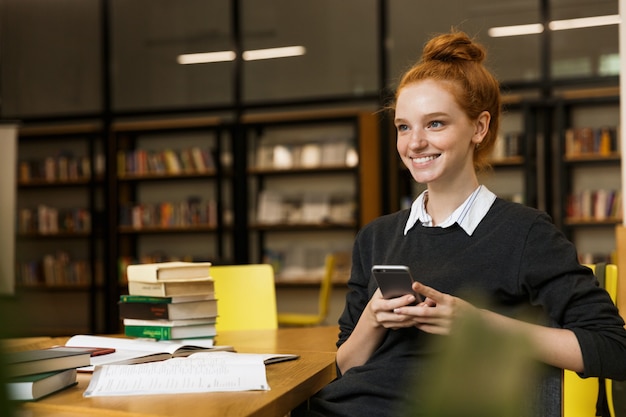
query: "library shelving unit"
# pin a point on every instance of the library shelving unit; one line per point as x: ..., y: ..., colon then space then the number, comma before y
x: 311, y: 187
x: 59, y: 226
x: 515, y: 159
x: 589, y: 159
x: 171, y: 191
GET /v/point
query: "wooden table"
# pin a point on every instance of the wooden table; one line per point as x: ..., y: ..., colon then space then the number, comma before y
x: 291, y: 383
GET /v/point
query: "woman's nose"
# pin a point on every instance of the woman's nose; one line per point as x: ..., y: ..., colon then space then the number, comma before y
x: 417, y: 140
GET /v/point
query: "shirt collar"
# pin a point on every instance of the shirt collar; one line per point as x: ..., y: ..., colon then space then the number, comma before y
x: 468, y: 215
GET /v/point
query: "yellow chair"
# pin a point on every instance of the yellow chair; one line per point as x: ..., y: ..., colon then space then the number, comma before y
x: 580, y: 395
x: 246, y: 297
x: 326, y: 286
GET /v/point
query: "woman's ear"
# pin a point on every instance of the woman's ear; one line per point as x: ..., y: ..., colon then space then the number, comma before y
x: 482, y: 127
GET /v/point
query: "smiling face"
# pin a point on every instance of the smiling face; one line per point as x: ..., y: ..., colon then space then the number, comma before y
x: 436, y: 139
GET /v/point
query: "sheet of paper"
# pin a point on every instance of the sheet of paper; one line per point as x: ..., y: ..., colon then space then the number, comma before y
x: 201, y: 372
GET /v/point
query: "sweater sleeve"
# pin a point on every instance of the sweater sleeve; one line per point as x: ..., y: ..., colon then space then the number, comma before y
x: 357, y: 296
x: 569, y: 292
x: 370, y: 245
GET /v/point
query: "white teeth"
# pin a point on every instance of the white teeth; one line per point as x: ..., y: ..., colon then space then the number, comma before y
x: 424, y: 159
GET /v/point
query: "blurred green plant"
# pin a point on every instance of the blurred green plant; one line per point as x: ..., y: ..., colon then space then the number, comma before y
x: 480, y: 373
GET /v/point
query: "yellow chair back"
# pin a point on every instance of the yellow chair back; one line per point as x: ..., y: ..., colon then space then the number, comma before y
x: 610, y: 283
x: 326, y: 286
x: 246, y: 297
x: 580, y: 395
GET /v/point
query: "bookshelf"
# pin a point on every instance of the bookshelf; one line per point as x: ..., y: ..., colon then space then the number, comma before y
x: 311, y: 187
x: 59, y: 226
x: 171, y: 191
x: 518, y: 157
x: 589, y: 160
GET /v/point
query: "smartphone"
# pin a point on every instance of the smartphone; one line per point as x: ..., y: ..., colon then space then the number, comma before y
x: 394, y: 281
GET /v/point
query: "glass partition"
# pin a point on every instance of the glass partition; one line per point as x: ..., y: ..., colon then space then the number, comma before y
x: 50, y: 58
x: 511, y: 58
x: 590, y: 48
x: 337, y: 39
x: 51, y: 52
x: 148, y: 39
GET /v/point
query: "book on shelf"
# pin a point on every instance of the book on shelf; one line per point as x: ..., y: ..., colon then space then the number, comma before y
x: 596, y: 205
x: 36, y: 386
x: 173, y: 164
x: 282, y: 157
x: 168, y: 271
x: 310, y: 155
x: 192, y: 212
x: 170, y: 329
x: 167, y: 161
x: 352, y: 157
x: 315, y: 207
x: 156, y: 165
x: 186, y: 161
x: 334, y: 153
x: 270, y: 210
x: 133, y: 351
x: 158, y: 308
x: 51, y: 220
x: 192, y: 286
x: 38, y: 361
x: 64, y: 167
x: 342, y: 210
x: 508, y: 145
x: 265, y: 156
x: 203, y: 159
x: 588, y: 140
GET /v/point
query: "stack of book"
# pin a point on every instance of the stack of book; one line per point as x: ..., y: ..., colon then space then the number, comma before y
x: 169, y: 300
x: 34, y: 374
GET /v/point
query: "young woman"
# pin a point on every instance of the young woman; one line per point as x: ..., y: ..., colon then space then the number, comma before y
x: 458, y: 238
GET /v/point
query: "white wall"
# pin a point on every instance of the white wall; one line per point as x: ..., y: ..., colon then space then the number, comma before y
x: 8, y: 167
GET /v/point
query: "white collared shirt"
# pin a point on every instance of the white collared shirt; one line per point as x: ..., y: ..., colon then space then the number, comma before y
x: 468, y: 215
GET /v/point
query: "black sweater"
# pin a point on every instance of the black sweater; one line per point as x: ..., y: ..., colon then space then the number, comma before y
x: 516, y: 260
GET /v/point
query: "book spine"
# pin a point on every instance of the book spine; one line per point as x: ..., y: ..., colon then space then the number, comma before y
x: 152, y: 332
x: 145, y: 288
x: 126, y: 298
x: 147, y: 311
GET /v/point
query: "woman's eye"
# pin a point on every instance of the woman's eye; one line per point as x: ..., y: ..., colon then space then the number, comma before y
x: 435, y: 124
x: 402, y: 128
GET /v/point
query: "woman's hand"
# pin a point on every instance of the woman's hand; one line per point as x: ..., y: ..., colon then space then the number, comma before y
x: 436, y: 314
x: 381, y: 311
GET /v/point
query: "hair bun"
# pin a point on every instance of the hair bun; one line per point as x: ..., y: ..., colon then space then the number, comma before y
x: 453, y: 47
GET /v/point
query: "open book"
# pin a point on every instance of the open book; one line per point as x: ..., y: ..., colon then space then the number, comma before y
x: 130, y: 351
x: 200, y: 372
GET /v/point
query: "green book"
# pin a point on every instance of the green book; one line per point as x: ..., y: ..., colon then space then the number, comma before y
x: 171, y: 332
